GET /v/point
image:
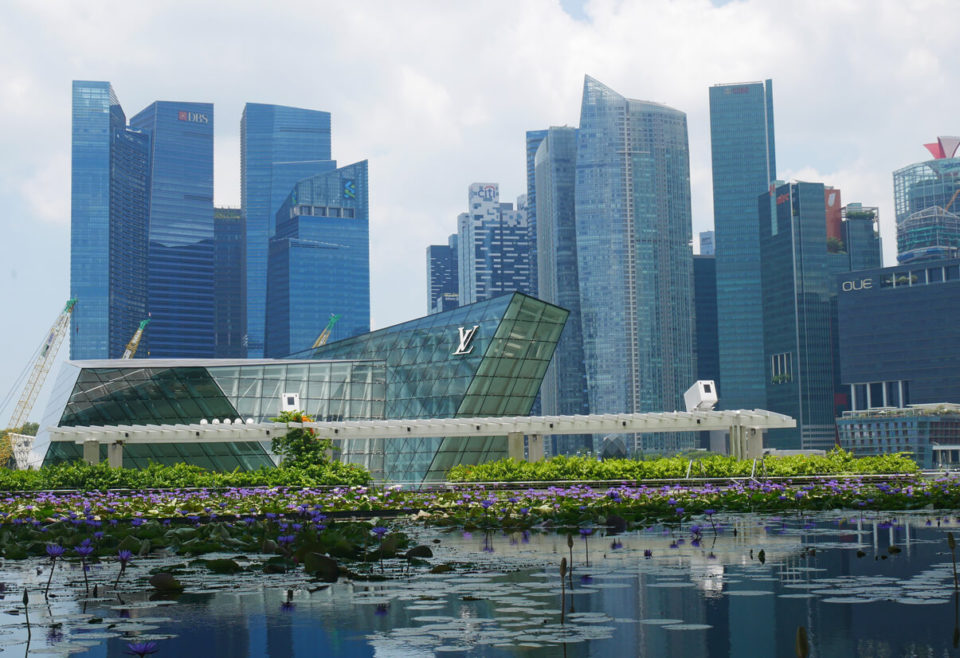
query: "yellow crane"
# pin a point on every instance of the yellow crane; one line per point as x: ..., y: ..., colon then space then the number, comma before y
x: 325, y: 334
x: 20, y: 444
x: 135, y: 341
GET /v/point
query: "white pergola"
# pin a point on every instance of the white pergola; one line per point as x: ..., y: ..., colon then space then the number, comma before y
x: 745, y: 427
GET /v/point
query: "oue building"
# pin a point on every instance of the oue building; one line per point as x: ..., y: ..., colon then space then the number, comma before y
x: 483, y: 359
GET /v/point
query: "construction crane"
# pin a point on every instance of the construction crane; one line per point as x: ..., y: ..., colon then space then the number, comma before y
x: 325, y: 334
x: 38, y: 374
x: 135, y: 341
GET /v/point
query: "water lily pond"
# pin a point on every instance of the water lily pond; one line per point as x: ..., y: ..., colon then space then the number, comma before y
x: 850, y: 583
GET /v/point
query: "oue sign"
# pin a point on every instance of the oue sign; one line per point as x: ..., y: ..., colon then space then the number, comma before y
x: 862, y: 284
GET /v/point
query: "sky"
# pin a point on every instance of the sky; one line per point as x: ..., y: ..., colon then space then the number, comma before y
x: 437, y: 95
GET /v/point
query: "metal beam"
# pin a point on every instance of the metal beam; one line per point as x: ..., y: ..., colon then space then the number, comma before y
x: 676, y: 421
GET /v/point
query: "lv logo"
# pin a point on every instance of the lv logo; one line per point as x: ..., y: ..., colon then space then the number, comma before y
x: 466, y: 340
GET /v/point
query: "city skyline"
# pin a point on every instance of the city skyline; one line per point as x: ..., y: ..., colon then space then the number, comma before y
x: 459, y: 128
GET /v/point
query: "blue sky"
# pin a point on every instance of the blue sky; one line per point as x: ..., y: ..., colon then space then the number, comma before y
x: 438, y: 95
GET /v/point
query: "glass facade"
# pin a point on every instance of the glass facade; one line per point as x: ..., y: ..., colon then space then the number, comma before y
x: 180, y: 280
x: 634, y: 260
x: 278, y: 147
x: 113, y: 393
x: 494, y: 246
x: 564, y: 389
x: 705, y: 297
x: 442, y: 280
x: 534, y: 139
x: 483, y: 359
x: 861, y: 236
x: 797, y: 298
x: 108, y: 243
x: 923, y: 431
x: 228, y: 266
x: 744, y: 165
x: 912, y: 358
x: 924, y: 196
x: 320, y: 261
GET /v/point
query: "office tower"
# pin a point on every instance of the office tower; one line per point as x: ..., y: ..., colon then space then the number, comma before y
x: 494, y: 246
x: 797, y: 296
x: 898, y: 334
x: 442, y: 281
x: 635, y: 265
x: 228, y: 283
x: 319, y: 262
x: 278, y: 147
x: 705, y: 299
x: 180, y: 279
x: 108, y: 224
x: 564, y: 388
x: 861, y: 236
x: 708, y: 246
x: 534, y: 138
x: 925, y: 201
x: 744, y: 165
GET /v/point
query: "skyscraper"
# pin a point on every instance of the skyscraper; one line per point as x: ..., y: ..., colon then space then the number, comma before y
x: 228, y: 283
x: 319, y: 262
x: 108, y: 224
x: 708, y: 245
x: 797, y: 304
x: 705, y: 298
x: 861, y: 236
x: 564, y: 387
x: 494, y: 246
x: 180, y: 251
x: 442, y: 282
x: 534, y: 138
x: 925, y: 201
x: 278, y: 147
x: 744, y: 165
x: 634, y: 260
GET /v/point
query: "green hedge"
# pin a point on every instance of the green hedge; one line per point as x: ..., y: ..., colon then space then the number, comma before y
x: 836, y: 462
x: 78, y: 475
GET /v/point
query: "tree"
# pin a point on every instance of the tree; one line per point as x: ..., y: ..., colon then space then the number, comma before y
x: 300, y: 445
x: 835, y: 245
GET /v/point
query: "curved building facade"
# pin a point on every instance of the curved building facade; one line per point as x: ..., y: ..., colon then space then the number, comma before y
x: 635, y: 264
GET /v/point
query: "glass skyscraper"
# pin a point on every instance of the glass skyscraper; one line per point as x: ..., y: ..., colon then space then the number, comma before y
x: 534, y: 138
x: 180, y: 281
x: 798, y: 295
x: 319, y: 263
x: 442, y: 280
x: 925, y: 200
x: 278, y: 147
x: 494, y: 246
x: 564, y: 388
x: 228, y: 283
x: 108, y: 224
x: 635, y: 264
x: 744, y: 166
